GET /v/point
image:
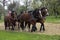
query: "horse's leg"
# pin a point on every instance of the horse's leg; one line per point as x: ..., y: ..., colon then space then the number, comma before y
x: 5, y: 25
x: 22, y: 25
x: 12, y: 27
x: 29, y: 27
x: 34, y: 28
x: 9, y: 26
x: 33, y: 22
x: 42, y: 27
x: 25, y: 24
x: 18, y: 26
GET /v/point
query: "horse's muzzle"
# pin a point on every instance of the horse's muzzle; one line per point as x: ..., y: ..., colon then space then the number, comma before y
x: 47, y: 14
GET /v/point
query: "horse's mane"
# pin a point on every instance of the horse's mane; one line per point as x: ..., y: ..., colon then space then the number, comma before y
x: 43, y: 8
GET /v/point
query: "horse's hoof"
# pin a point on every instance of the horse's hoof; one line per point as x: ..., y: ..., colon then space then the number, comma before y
x: 12, y: 29
x: 9, y: 28
x: 43, y: 30
x: 34, y: 30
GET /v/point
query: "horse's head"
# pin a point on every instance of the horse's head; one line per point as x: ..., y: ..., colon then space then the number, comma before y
x: 14, y: 14
x: 44, y: 11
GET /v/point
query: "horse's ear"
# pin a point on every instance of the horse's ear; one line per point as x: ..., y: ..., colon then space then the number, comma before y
x: 43, y: 8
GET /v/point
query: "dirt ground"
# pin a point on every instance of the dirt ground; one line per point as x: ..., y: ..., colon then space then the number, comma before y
x: 51, y: 28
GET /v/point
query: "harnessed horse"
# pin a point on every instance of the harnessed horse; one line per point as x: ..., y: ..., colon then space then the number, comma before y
x: 10, y: 20
x: 38, y: 15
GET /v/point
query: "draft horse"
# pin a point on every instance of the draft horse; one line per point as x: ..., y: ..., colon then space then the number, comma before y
x: 27, y: 18
x: 37, y: 15
x: 10, y: 20
x: 40, y: 17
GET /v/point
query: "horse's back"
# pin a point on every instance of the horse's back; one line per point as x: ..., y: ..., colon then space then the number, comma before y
x: 25, y: 16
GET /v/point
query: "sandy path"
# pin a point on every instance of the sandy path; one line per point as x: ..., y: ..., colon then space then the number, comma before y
x: 1, y: 26
x: 51, y: 28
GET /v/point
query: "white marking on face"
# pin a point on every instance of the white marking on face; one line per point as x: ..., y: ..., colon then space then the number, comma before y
x: 46, y: 9
x: 40, y: 13
x: 47, y: 12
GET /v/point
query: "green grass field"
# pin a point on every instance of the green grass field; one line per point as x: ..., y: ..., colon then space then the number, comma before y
x: 2, y: 19
x: 52, y: 19
x: 5, y: 35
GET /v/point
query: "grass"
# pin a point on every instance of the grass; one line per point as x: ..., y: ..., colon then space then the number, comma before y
x: 2, y: 19
x: 52, y: 19
x: 5, y: 35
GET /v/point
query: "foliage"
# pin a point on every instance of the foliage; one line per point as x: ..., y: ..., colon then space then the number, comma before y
x: 2, y: 19
x: 53, y: 6
x: 20, y: 9
x: 36, y: 4
x: 2, y: 11
x: 12, y: 6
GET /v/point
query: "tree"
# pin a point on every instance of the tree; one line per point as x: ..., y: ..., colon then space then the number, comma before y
x: 53, y: 6
x: 1, y: 11
x: 36, y: 4
x: 12, y: 6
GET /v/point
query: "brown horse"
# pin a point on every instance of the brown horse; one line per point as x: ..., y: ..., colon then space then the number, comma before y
x: 38, y: 15
x: 27, y: 18
x: 10, y: 20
